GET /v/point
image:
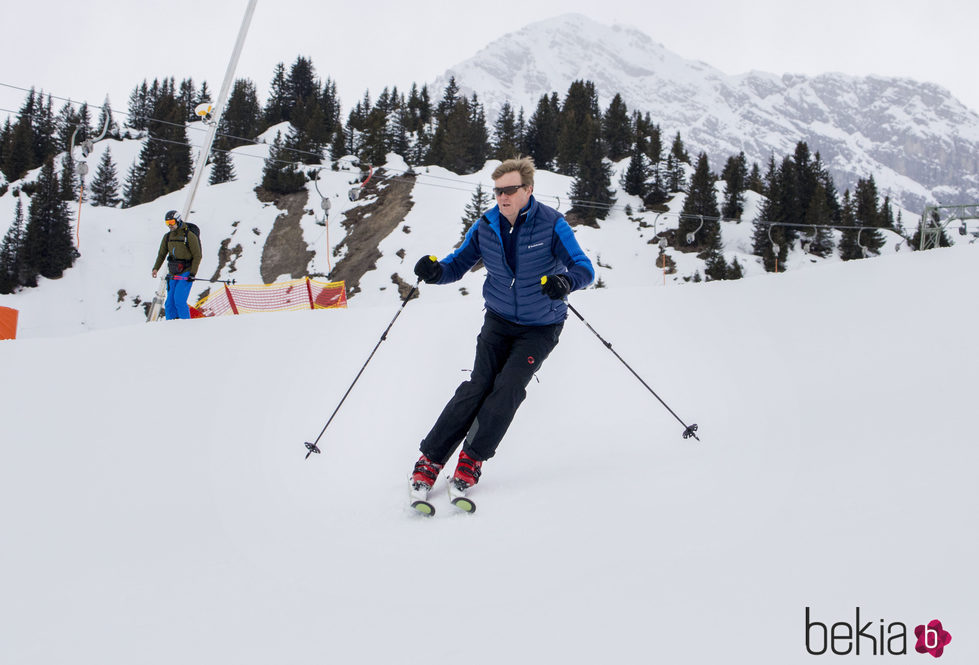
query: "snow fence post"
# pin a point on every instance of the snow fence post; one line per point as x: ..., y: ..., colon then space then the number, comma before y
x: 231, y: 301
x: 309, y: 292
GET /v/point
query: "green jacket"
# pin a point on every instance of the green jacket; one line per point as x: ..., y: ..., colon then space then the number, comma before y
x: 173, y: 247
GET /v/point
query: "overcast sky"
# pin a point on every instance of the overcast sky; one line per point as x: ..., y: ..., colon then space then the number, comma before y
x: 85, y: 50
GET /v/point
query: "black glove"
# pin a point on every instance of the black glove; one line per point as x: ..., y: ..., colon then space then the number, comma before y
x: 428, y: 269
x: 556, y: 287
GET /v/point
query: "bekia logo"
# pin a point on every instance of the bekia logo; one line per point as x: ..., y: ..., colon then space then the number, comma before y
x: 932, y: 638
x: 874, y: 637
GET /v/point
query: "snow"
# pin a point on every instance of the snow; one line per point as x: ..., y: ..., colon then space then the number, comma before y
x: 158, y: 507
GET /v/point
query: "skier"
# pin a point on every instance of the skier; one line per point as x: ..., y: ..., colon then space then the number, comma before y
x: 532, y: 263
x: 181, y: 247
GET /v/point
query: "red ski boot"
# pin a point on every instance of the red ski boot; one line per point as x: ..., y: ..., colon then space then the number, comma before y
x: 466, y: 475
x: 426, y: 473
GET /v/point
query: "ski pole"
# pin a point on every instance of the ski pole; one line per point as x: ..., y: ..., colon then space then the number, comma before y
x: 213, y: 281
x: 689, y: 430
x: 312, y: 447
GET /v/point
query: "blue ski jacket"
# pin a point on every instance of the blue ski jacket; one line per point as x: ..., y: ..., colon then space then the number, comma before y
x: 545, y: 245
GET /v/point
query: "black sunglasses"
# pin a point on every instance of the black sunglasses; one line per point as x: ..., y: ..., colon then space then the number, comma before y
x: 509, y: 191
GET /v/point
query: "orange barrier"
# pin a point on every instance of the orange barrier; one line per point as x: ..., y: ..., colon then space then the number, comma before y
x: 8, y: 323
x: 293, y: 295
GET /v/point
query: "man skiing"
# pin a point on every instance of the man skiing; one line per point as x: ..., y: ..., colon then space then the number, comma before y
x: 532, y: 263
x: 182, y: 250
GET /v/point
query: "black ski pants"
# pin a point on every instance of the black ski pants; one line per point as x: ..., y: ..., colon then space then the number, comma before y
x: 480, y: 411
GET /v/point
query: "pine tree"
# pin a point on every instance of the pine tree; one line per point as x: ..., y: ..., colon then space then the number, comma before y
x: 419, y: 116
x: 849, y: 248
x: 460, y: 142
x: 203, y: 96
x: 131, y: 187
x: 506, y: 138
x: 701, y: 202
x: 543, y: 127
x: 637, y: 172
x: 241, y: 120
x: 580, y: 107
x: 755, y: 183
x: 45, y: 130
x: 222, y: 168
x: 48, y: 249
x: 617, y: 130
x: 139, y: 106
x: 105, y: 115
x: 281, y: 175
x: 301, y: 85
x: 675, y: 178
x: 398, y: 119
x: 478, y: 145
x: 374, y: 133
x: 11, y: 253
x: 105, y: 187
x: 654, y: 147
x: 85, y: 130
x: 591, y: 191
x: 819, y: 215
x: 338, y: 147
x: 766, y: 235
x: 868, y: 213
x: 67, y: 123
x: 19, y: 156
x: 277, y: 105
x: 330, y: 104
x: 164, y: 161
x: 678, y: 151
x: 186, y: 95
x: 478, y: 204
x: 69, y: 180
x: 735, y: 175
x: 5, y: 135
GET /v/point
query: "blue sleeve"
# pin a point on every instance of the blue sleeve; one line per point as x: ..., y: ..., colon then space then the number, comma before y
x: 566, y: 248
x: 456, y: 264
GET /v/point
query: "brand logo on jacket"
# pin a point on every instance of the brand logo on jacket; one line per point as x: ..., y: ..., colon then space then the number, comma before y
x: 876, y: 637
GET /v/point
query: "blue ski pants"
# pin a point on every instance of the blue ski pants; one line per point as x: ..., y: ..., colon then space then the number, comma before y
x: 178, y: 290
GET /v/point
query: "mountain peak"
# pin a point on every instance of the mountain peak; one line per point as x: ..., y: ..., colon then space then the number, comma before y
x: 918, y: 141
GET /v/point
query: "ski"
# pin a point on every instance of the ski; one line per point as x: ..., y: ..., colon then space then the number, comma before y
x: 419, y: 499
x: 458, y: 496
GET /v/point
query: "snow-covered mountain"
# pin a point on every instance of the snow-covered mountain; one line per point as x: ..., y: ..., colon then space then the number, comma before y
x: 918, y: 141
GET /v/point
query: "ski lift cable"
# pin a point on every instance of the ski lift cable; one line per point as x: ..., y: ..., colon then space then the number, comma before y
x: 156, y: 120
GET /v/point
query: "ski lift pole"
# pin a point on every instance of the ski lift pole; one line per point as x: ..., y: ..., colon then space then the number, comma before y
x: 688, y: 430
x: 313, y: 447
x: 87, y: 147
x: 325, y: 205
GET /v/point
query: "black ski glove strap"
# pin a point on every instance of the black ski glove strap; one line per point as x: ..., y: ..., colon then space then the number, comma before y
x: 556, y: 287
x: 428, y: 269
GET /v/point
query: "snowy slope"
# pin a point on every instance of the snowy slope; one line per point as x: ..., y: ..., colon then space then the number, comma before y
x: 161, y: 511
x: 111, y: 280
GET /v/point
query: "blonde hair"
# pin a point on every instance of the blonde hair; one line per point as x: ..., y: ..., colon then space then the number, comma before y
x: 523, y: 165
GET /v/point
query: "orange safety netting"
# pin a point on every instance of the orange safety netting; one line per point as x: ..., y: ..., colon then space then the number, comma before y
x: 279, y: 297
x: 8, y: 323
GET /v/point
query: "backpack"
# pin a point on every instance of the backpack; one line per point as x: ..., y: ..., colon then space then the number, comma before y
x: 193, y: 228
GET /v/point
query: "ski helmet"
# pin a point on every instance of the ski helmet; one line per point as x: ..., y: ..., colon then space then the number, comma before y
x: 172, y: 215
